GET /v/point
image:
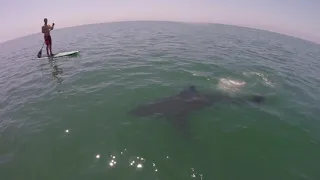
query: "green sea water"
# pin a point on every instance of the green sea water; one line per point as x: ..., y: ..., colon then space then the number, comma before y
x: 67, y: 118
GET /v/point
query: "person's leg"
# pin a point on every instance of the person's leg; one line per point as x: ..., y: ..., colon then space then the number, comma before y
x: 50, y: 46
x: 47, y: 50
x: 47, y: 44
x: 50, y: 50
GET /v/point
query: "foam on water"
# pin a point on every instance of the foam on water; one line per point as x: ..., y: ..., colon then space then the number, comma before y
x: 263, y: 76
x: 230, y: 85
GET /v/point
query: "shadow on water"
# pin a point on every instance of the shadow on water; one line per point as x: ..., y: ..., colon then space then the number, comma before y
x: 56, y: 71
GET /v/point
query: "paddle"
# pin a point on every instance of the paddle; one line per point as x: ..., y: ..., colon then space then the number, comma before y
x: 40, y: 52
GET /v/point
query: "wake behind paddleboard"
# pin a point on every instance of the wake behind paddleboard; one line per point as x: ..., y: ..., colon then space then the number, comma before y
x: 70, y: 53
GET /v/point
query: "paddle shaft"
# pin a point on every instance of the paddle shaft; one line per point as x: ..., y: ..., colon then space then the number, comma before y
x: 40, y: 52
x: 42, y: 45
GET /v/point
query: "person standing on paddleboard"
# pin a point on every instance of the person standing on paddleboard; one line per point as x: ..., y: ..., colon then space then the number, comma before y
x: 47, y: 38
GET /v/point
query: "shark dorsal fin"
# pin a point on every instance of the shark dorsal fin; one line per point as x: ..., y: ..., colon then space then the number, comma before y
x: 189, y: 92
x: 192, y: 88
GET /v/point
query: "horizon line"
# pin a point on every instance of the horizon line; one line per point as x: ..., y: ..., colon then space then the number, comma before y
x: 186, y: 22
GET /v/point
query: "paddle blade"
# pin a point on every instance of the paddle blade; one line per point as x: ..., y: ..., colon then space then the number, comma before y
x: 40, y: 53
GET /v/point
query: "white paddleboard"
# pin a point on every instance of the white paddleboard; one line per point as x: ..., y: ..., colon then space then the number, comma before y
x: 70, y: 53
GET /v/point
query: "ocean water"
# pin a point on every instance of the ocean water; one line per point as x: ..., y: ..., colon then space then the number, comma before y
x: 67, y: 118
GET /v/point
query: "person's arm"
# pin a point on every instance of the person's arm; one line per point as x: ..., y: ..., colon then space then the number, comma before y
x: 52, y: 26
x: 42, y: 29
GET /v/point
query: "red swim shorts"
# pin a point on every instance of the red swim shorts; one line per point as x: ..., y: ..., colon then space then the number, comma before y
x: 47, y: 40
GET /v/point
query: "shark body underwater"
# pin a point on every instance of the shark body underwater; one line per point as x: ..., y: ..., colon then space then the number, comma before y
x: 177, y: 108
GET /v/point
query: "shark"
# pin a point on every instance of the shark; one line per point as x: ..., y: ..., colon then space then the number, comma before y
x: 180, y: 106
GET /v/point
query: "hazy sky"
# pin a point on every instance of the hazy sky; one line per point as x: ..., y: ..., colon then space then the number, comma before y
x: 298, y: 18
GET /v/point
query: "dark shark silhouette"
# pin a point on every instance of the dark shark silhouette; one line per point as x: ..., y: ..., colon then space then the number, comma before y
x: 177, y: 108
